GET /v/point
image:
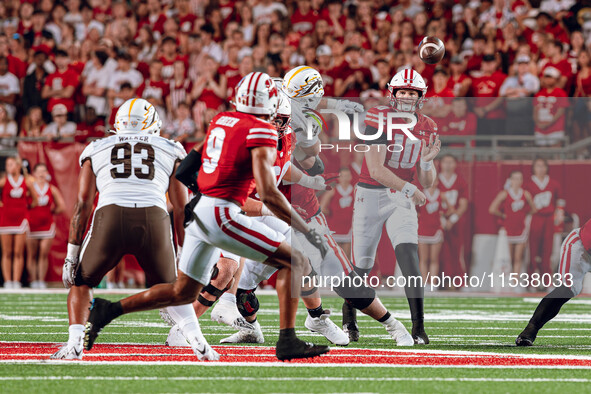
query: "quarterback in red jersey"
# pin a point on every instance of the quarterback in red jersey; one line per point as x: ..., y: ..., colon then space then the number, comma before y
x: 385, y: 193
x: 239, y: 147
x: 546, y: 194
x: 575, y: 263
x: 513, y: 205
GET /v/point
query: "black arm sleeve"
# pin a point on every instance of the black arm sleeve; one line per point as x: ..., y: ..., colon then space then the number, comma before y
x: 187, y: 170
x: 381, y: 140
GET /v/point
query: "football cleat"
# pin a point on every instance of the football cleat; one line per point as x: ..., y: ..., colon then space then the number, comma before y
x: 419, y: 335
x: 70, y: 351
x: 176, y: 337
x: 323, y: 325
x: 246, y: 336
x: 400, y: 334
x: 292, y: 348
x: 164, y: 315
x: 99, y: 317
x: 227, y: 313
x: 527, y: 336
x: 202, y: 350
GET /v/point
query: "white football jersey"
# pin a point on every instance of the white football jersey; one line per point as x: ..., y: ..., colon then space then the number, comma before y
x: 133, y: 170
x: 302, y: 120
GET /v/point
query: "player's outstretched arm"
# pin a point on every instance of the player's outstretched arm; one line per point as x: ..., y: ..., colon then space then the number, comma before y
x: 263, y: 159
x: 177, y: 193
x: 375, y: 158
x: 426, y: 170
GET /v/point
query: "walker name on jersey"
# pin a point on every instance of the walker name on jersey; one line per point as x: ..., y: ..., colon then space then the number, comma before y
x: 130, y: 138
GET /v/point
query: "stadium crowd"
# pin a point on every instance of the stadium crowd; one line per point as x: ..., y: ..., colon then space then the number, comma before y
x: 66, y: 67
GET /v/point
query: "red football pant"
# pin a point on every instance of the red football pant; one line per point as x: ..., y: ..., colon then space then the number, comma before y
x: 541, y: 240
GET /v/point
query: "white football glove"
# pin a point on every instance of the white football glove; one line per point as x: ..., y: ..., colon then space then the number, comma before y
x: 70, y: 265
x: 313, y: 182
x: 69, y: 271
x: 348, y: 107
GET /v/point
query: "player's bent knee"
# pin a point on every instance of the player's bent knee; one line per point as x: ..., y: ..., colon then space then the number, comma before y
x: 247, y: 302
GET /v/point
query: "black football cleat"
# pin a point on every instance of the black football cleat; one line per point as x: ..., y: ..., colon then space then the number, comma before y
x: 100, y: 315
x: 350, y: 326
x: 527, y: 336
x: 419, y: 335
x: 292, y: 348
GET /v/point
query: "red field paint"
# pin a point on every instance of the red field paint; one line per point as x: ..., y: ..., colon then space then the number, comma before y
x: 26, y: 351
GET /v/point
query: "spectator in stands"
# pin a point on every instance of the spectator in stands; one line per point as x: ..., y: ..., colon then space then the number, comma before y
x: 60, y: 127
x: 180, y: 87
x: 33, y: 123
x: 459, y: 122
x: 15, y: 65
x: 458, y: 81
x: 124, y: 74
x: 555, y: 58
x: 154, y: 89
x: 9, y: 88
x: 209, y: 46
x: 488, y: 106
x: 126, y: 92
x: 8, y: 129
x: 209, y: 94
x: 96, y: 84
x: 93, y: 126
x: 550, y: 105
x: 34, y: 83
x: 182, y: 127
x: 60, y: 86
x: 148, y: 47
x: 170, y: 54
x: 352, y: 77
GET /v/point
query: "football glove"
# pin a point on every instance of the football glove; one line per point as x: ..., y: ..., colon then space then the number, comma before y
x: 349, y: 107
x: 69, y: 271
x: 314, y: 182
x: 318, y: 241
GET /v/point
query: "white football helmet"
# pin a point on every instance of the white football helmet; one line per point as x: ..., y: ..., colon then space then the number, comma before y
x: 407, y: 79
x: 305, y: 85
x: 283, y: 110
x: 137, y: 116
x: 257, y: 94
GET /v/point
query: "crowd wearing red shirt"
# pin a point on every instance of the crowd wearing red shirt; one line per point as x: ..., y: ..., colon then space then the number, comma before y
x: 92, y: 55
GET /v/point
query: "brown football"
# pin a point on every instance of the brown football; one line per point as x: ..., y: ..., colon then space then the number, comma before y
x: 431, y: 50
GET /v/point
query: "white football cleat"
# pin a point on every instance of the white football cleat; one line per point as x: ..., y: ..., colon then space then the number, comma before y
x: 246, y: 336
x: 202, y: 350
x: 227, y: 313
x: 70, y: 351
x: 400, y: 334
x: 323, y: 325
x: 176, y: 337
x: 164, y: 315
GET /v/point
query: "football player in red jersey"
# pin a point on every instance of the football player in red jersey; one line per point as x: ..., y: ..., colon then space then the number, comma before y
x: 239, y: 147
x: 385, y: 193
x: 512, y: 205
x: 575, y: 262
x: 546, y: 195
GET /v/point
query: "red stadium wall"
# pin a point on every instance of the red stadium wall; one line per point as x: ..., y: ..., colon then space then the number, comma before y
x: 485, y: 180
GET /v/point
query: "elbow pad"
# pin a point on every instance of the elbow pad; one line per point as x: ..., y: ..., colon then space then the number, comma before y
x: 317, y: 168
x: 187, y: 170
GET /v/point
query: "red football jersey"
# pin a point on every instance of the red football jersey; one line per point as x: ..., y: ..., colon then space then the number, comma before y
x: 545, y: 194
x: 546, y: 104
x: 282, y: 164
x: 430, y: 214
x: 401, y: 163
x: 226, y: 171
x: 585, y: 234
x: 453, y: 189
x: 515, y: 208
x: 341, y: 210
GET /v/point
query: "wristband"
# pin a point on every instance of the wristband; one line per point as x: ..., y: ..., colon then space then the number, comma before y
x: 310, y: 182
x: 426, y: 165
x: 73, y: 251
x: 408, y: 189
x: 454, y: 218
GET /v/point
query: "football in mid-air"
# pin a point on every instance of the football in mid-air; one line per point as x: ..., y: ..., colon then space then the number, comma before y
x: 431, y: 50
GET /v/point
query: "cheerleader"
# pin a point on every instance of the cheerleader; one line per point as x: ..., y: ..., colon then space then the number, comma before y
x: 42, y: 226
x: 513, y: 205
x: 13, y: 224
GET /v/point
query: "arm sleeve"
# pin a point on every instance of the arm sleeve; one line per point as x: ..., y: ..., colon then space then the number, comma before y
x: 187, y: 170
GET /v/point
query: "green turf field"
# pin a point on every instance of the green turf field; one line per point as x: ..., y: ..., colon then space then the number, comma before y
x: 453, y: 324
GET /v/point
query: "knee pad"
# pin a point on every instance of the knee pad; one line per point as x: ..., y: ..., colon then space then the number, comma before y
x: 563, y: 292
x: 214, y: 291
x: 317, y: 168
x: 247, y: 302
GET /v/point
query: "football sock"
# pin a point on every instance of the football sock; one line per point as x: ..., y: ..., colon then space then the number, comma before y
x: 388, y: 320
x: 184, y: 316
x: 316, y: 312
x: 287, y: 334
x: 385, y: 318
x: 75, y: 332
x: 229, y: 297
x: 549, y: 307
x: 407, y: 257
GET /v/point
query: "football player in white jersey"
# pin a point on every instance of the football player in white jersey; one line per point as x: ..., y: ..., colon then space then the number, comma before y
x: 132, y: 171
